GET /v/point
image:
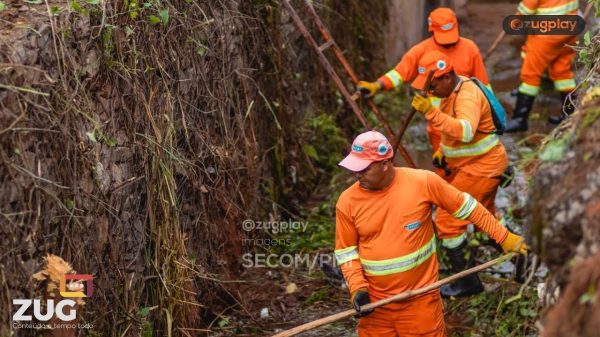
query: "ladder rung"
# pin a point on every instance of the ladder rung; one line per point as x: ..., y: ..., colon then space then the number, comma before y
x: 325, y: 45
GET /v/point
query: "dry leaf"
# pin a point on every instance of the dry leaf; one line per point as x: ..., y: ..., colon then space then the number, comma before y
x: 291, y: 288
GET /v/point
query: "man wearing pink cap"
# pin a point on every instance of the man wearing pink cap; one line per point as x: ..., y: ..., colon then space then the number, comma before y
x: 385, y: 242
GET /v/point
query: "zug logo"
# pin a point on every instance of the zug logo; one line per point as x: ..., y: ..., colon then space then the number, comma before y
x: 59, y: 308
x: 50, y: 310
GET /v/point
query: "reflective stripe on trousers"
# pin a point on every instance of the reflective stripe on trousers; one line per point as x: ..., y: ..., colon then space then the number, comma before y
x: 556, y: 10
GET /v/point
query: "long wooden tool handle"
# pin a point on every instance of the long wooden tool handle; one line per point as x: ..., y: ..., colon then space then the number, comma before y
x: 494, y: 45
x: 588, y: 9
x: 399, y: 297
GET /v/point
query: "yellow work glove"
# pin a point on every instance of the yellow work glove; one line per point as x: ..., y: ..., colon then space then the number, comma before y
x: 368, y: 89
x: 421, y: 104
x: 514, y: 243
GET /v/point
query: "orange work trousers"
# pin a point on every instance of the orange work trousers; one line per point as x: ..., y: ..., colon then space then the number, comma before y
x: 481, y: 188
x: 422, y: 316
x: 551, y: 53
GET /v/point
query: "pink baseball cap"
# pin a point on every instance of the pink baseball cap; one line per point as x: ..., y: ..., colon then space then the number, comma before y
x: 368, y: 147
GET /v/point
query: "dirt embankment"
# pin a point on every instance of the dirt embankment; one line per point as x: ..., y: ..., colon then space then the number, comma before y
x: 565, y: 210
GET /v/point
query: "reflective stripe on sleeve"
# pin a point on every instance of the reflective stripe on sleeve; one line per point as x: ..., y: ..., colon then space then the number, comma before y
x: 346, y: 254
x: 466, y: 208
x: 394, y: 77
x: 467, y: 134
x: 435, y: 101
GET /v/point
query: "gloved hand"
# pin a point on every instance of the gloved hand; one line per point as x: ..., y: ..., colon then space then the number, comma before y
x: 368, y: 89
x: 421, y: 104
x: 514, y: 243
x: 438, y: 159
x: 359, y: 298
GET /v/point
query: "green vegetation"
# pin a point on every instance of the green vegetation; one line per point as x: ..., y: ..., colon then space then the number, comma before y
x: 491, y: 314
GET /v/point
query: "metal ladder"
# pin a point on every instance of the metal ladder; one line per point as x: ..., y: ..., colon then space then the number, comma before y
x: 350, y: 98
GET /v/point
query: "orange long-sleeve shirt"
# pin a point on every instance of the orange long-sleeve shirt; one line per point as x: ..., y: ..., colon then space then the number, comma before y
x: 468, y: 140
x: 384, y: 240
x: 464, y: 54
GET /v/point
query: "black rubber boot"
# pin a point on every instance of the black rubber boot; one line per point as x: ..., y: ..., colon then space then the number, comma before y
x: 520, y: 114
x: 568, y: 108
x: 466, y: 286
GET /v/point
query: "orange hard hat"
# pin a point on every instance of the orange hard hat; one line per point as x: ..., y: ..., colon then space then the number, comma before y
x: 444, y: 25
x: 434, y: 60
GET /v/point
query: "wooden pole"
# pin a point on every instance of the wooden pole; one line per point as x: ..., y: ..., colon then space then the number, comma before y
x: 588, y: 9
x: 413, y: 111
x: 494, y: 45
x: 399, y: 297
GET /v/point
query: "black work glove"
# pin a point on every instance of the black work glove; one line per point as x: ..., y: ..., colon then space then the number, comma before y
x: 360, y: 298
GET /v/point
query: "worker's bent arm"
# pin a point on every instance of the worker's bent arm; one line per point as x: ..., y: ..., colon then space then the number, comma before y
x: 467, y: 112
x: 463, y: 206
x: 405, y: 71
x: 486, y: 221
x: 346, y: 250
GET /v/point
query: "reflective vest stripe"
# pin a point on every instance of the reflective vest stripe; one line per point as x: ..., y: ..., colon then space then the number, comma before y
x: 346, y: 254
x: 455, y: 241
x: 394, y: 77
x: 525, y: 10
x: 564, y: 85
x: 466, y: 208
x: 400, y: 264
x: 467, y: 135
x: 559, y: 10
x: 528, y: 89
x: 480, y: 147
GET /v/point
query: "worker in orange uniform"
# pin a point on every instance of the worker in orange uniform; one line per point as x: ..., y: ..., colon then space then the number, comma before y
x: 445, y: 38
x: 471, y: 149
x: 545, y: 52
x: 385, y: 242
